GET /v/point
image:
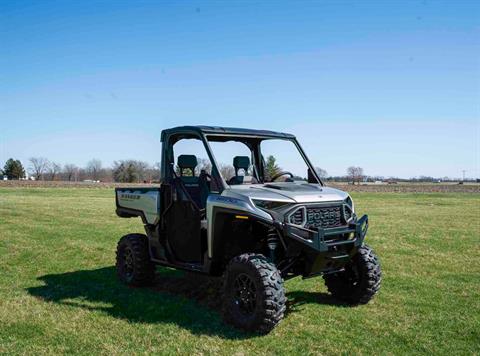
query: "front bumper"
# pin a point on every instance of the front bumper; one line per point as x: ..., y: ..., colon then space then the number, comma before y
x: 324, y: 240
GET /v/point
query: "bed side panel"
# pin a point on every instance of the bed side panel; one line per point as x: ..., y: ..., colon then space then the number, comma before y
x: 144, y: 202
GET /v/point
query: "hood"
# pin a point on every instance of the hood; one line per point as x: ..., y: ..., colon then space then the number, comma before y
x: 290, y: 192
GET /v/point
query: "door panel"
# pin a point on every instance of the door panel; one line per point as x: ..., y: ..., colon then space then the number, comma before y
x: 182, y: 220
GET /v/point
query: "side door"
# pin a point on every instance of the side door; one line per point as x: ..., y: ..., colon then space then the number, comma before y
x: 185, y: 195
x: 182, y: 224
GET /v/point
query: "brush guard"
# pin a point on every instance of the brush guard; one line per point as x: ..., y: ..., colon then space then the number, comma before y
x: 324, y: 240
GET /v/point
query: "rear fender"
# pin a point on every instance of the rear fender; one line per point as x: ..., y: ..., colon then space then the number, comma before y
x: 143, y: 202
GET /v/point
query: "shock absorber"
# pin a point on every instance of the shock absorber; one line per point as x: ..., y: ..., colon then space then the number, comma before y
x: 272, y: 242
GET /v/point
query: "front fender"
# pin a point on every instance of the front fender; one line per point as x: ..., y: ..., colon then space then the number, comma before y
x: 234, y: 203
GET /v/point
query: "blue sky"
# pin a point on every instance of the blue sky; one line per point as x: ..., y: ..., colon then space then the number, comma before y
x: 392, y: 86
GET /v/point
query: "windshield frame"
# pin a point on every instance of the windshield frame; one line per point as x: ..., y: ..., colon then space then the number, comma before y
x: 254, y: 144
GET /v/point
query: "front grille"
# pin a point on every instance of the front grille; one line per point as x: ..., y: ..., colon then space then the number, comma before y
x: 314, y: 217
x: 324, y: 217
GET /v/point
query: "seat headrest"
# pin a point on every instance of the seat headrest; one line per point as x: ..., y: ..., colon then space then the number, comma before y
x: 187, y: 161
x: 241, y: 162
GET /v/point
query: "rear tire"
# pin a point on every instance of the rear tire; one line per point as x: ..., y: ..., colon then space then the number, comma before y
x: 360, y: 280
x: 253, y: 294
x: 134, y: 266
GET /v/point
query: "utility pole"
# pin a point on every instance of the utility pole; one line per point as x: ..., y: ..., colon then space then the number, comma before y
x: 463, y: 175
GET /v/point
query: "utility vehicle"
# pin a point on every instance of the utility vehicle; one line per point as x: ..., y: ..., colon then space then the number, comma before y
x: 255, y: 223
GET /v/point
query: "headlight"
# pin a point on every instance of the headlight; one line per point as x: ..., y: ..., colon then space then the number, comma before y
x: 348, y: 209
x: 349, y: 202
x: 269, y: 204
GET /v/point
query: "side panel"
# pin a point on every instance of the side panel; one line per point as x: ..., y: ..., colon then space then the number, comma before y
x: 235, y: 202
x: 143, y: 202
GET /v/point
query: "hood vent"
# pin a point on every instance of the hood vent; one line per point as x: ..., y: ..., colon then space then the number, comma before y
x: 271, y: 186
x: 292, y: 187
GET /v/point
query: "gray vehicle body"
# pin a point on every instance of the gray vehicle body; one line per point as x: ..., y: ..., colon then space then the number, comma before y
x: 296, y: 234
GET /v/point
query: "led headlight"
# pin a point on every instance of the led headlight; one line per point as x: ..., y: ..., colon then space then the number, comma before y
x: 349, y: 202
x: 268, y: 204
x: 349, y: 211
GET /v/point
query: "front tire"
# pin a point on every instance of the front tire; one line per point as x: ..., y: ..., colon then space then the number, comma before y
x: 134, y: 266
x: 360, y: 280
x: 253, y: 294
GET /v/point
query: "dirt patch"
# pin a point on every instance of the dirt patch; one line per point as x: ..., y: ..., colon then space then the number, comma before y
x: 410, y: 188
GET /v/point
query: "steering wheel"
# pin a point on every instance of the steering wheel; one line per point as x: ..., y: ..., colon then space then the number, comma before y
x: 278, y: 175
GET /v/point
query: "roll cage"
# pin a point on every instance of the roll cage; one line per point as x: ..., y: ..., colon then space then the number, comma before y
x: 251, y: 138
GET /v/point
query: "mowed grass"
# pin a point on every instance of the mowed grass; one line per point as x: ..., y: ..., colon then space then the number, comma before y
x: 59, y: 292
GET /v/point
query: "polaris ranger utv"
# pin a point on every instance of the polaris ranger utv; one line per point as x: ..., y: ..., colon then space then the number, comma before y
x: 253, y: 222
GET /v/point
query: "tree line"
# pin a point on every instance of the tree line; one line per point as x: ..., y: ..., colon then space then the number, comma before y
x: 135, y: 171
x: 40, y: 168
x: 354, y: 174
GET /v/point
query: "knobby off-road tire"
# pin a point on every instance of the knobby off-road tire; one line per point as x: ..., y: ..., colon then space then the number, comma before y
x: 253, y: 294
x: 133, y: 260
x: 360, y: 280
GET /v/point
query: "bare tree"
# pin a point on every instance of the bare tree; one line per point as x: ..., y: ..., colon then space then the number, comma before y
x: 226, y: 171
x: 322, y: 173
x: 152, y: 173
x: 81, y: 174
x: 94, y: 168
x: 203, y: 165
x: 156, y: 169
x: 54, y: 169
x: 69, y: 170
x: 38, y: 166
x: 129, y: 171
x: 355, y: 174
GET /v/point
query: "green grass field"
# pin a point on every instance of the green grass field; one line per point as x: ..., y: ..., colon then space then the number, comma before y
x: 59, y: 293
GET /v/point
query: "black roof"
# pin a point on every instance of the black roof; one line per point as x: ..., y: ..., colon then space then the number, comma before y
x: 216, y: 130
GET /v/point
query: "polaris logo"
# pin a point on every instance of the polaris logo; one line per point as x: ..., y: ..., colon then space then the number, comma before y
x: 323, y: 215
x: 227, y: 200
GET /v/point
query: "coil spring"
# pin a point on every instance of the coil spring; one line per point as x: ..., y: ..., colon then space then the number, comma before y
x: 272, y: 243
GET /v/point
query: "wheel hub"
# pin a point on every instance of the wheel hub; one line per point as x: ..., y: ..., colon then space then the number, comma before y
x: 128, y: 262
x: 245, y: 294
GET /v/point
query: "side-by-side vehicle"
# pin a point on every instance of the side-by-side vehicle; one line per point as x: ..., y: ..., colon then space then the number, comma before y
x: 250, y: 220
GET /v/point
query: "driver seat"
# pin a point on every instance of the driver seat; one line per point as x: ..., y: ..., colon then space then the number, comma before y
x: 242, y: 162
x: 196, y: 187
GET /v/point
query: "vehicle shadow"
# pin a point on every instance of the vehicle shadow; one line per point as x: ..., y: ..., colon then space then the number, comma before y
x: 175, y: 297
x: 296, y: 299
x: 189, y: 300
